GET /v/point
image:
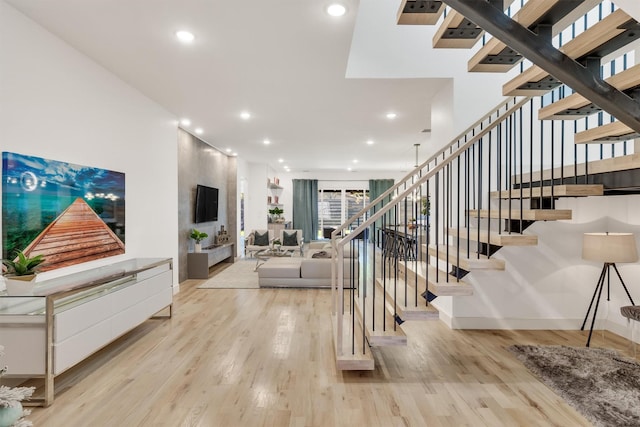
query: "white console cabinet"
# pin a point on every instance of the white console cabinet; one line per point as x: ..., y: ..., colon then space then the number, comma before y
x: 71, y: 317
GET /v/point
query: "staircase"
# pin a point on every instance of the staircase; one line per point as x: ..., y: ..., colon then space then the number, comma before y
x: 507, y: 171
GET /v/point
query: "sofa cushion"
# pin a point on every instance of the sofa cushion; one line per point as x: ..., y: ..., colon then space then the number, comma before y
x: 261, y: 239
x: 289, y: 239
x: 316, y: 268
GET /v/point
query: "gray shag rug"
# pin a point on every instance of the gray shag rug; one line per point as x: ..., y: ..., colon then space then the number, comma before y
x: 599, y: 383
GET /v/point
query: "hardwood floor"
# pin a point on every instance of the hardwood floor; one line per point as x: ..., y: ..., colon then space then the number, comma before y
x: 264, y: 357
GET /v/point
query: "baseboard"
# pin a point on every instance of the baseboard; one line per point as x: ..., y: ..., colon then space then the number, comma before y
x: 446, y: 319
x: 538, y: 324
x: 176, y: 288
x: 512, y: 323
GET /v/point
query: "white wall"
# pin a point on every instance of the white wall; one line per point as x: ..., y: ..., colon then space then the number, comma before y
x: 549, y: 286
x: 58, y: 104
x: 255, y: 208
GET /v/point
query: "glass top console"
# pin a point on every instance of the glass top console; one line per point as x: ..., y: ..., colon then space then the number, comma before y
x: 68, y: 318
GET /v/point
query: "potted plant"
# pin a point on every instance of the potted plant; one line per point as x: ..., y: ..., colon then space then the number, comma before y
x: 425, y: 210
x: 277, y: 244
x: 20, y: 273
x: 276, y: 214
x: 198, y: 236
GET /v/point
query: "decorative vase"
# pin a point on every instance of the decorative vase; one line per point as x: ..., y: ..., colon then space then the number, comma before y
x: 10, y: 414
x: 16, y: 286
x: 198, y: 248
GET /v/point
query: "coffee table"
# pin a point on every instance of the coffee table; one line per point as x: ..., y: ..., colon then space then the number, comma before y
x: 264, y: 255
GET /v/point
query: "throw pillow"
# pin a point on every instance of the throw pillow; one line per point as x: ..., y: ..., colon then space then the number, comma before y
x: 261, y: 239
x: 290, y: 239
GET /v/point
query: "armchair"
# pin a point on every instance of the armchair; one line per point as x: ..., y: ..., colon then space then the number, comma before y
x: 292, y: 240
x: 250, y: 244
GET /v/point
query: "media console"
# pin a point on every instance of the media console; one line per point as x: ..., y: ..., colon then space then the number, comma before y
x: 198, y: 263
x: 69, y: 318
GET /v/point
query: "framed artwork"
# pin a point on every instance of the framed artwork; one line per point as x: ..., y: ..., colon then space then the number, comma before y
x: 68, y: 213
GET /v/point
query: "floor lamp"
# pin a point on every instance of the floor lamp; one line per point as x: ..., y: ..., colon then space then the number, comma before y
x: 609, y: 248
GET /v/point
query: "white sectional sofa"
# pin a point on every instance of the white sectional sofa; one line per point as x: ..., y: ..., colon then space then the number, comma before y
x: 305, y: 272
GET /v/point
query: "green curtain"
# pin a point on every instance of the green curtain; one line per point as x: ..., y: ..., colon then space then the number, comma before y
x: 376, y: 188
x: 305, y: 207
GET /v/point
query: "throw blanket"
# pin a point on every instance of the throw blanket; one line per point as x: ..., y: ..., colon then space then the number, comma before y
x: 321, y: 254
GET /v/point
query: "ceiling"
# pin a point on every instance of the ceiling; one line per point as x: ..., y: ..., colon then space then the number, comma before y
x: 285, y: 61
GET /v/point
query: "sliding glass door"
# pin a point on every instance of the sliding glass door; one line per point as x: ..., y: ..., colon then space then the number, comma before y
x: 335, y: 206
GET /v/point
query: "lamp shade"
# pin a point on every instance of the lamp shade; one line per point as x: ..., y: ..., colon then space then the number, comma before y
x: 609, y: 247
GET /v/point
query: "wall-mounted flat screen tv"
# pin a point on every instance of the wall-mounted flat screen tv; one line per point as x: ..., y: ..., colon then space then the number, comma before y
x: 206, y: 204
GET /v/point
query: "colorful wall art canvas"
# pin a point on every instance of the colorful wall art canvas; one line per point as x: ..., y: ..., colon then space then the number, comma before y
x: 68, y: 213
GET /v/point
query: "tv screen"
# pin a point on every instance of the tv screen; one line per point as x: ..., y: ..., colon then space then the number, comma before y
x: 206, y: 204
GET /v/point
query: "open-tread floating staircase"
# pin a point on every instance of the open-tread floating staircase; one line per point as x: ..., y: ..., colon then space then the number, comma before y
x: 489, y: 184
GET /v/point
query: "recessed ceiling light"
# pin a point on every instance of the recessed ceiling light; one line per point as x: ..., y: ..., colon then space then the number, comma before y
x: 266, y: 142
x: 185, y: 36
x: 234, y: 154
x: 245, y: 115
x: 391, y: 116
x: 185, y: 122
x: 228, y: 150
x: 280, y: 160
x: 355, y: 160
x: 198, y: 131
x: 336, y: 9
x: 370, y: 142
x: 349, y: 169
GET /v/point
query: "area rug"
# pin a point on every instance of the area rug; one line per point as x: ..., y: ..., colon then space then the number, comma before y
x: 240, y: 275
x: 599, y: 383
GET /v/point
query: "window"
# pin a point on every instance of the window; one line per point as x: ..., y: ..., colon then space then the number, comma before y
x: 335, y: 206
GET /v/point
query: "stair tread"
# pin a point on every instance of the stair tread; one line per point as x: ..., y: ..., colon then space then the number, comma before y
x: 528, y: 15
x: 473, y: 262
x: 410, y: 309
x: 526, y: 214
x: 449, y: 33
x: 495, y: 238
x: 428, y: 17
x: 381, y: 329
x: 565, y: 108
x: 440, y: 287
x: 349, y: 360
x: 590, y: 41
x: 611, y: 132
x: 564, y: 190
x: 444, y: 38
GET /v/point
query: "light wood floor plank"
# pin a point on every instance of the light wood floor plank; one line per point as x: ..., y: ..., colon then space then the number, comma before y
x: 264, y: 357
